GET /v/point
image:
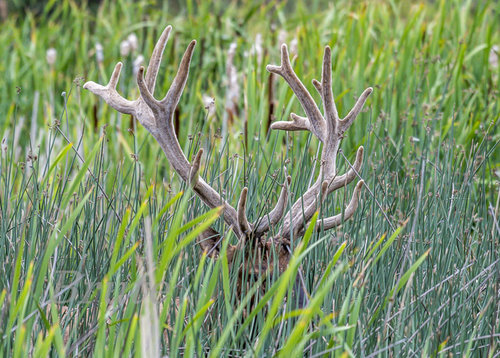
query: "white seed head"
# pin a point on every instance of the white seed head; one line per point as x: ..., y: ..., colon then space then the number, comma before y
x: 209, y: 104
x: 232, y: 49
x: 233, y: 90
x: 132, y: 41
x: 282, y: 35
x: 259, y: 52
x: 138, y: 63
x: 51, y: 56
x: 230, y: 56
x: 234, y: 87
x: 493, y: 56
x: 294, y: 46
x: 207, y: 100
x: 99, y: 55
x: 124, y: 48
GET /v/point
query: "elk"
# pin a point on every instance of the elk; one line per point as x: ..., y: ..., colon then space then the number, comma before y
x: 263, y: 252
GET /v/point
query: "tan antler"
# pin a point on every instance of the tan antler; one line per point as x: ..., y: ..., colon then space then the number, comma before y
x: 156, y: 117
x: 329, y: 129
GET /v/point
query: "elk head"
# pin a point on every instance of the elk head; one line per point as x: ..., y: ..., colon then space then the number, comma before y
x: 262, y: 253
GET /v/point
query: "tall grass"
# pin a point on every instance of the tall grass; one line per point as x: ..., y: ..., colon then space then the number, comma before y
x: 97, y: 233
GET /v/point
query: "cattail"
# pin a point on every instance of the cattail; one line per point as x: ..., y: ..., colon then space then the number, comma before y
x: 124, y: 48
x: 259, y: 52
x: 132, y: 42
x: 493, y: 56
x: 138, y: 63
x: 282, y: 35
x: 99, y: 55
x: 51, y: 56
x: 294, y: 50
x: 232, y: 92
x: 232, y: 75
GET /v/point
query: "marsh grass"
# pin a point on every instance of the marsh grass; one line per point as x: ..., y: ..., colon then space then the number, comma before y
x: 98, y: 234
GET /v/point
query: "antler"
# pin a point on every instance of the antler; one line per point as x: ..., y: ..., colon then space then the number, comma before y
x: 156, y: 117
x: 329, y: 129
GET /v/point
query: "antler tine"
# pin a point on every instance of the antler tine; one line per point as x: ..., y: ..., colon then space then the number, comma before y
x: 298, y: 123
x: 115, y: 76
x: 155, y: 61
x: 146, y: 95
x: 330, y: 110
x: 334, y: 221
x: 275, y: 215
x: 342, y: 180
x: 307, y: 214
x: 195, y: 167
x: 176, y: 88
x: 109, y: 94
x: 242, y: 216
x: 318, y: 86
x: 317, y: 122
x: 345, y: 123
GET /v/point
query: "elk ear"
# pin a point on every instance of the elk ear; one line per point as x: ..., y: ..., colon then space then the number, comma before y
x: 231, y: 252
x: 209, y: 242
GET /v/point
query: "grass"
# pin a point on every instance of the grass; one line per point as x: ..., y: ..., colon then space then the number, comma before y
x: 97, y: 231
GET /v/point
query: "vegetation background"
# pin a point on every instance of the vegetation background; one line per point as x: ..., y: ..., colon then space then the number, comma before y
x: 97, y: 232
